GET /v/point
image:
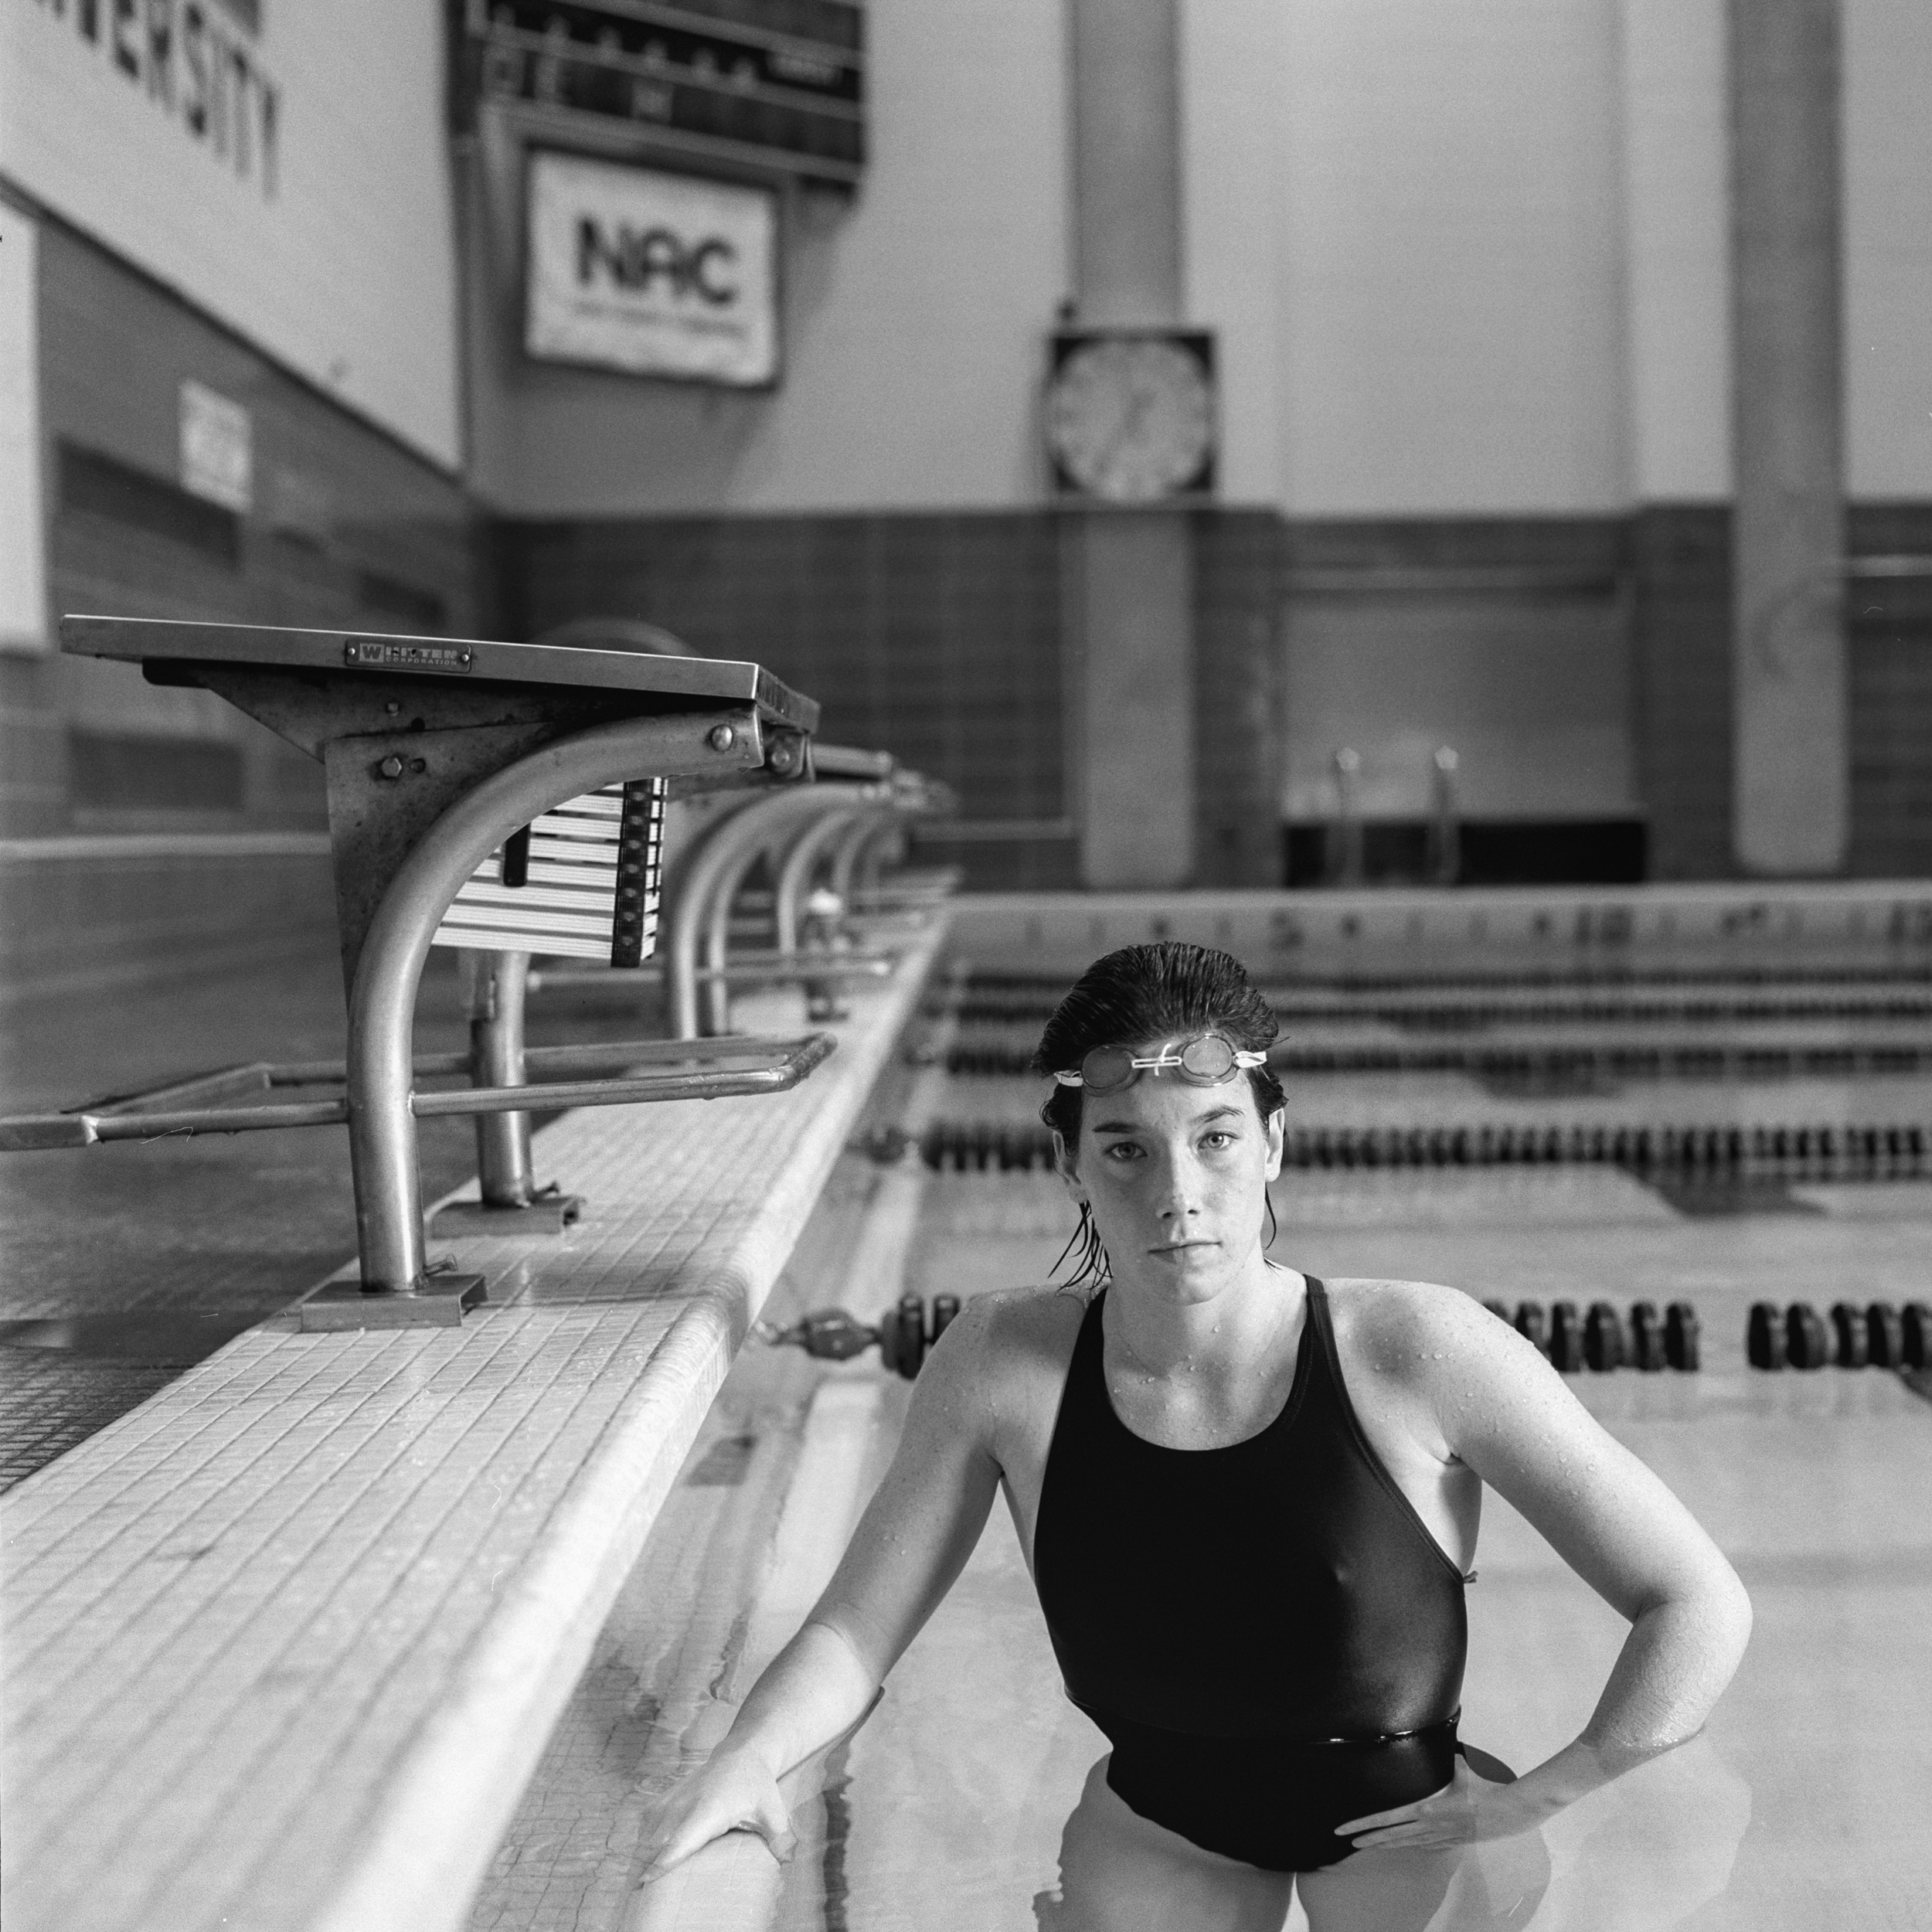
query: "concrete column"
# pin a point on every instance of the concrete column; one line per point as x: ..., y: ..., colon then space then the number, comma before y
x: 1792, y: 792
x: 1132, y: 600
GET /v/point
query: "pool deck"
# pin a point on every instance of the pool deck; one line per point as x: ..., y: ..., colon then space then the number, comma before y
x: 284, y: 1643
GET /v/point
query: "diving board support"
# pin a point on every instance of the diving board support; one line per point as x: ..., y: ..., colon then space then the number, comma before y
x: 508, y: 1190
x: 382, y: 1135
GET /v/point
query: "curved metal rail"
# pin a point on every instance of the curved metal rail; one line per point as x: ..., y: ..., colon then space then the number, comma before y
x: 801, y: 861
x: 700, y: 914
x: 382, y: 1149
x: 221, y: 1103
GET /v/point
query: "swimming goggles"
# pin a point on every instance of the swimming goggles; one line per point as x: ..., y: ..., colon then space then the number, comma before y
x: 1205, y: 1060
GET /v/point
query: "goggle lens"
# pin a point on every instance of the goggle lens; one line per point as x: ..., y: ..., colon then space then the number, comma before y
x: 1107, y: 1068
x: 1209, y: 1058
x: 1205, y: 1060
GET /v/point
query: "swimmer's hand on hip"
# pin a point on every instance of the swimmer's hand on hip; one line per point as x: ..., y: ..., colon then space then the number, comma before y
x: 1468, y: 1809
x: 736, y: 1791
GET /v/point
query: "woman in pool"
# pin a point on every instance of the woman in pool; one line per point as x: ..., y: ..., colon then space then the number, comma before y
x: 1249, y: 1500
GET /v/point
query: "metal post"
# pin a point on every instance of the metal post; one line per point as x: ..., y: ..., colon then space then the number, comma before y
x: 889, y: 844
x: 494, y: 982
x: 382, y: 1131
x: 1445, y: 827
x: 1345, y: 856
x: 845, y: 860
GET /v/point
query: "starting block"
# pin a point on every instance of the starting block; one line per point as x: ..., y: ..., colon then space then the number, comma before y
x: 502, y: 798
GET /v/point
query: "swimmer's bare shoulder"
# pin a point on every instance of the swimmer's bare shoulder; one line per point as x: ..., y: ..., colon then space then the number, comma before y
x: 1436, y: 1359
x: 998, y: 1369
x: 1502, y: 1411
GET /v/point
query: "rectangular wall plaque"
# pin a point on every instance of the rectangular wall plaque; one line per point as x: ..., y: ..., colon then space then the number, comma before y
x: 654, y: 273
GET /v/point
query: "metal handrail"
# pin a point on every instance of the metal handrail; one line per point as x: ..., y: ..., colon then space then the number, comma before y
x: 764, y: 968
x: 698, y: 917
x: 844, y: 862
x: 795, y: 874
x: 915, y: 796
x: 696, y: 921
x: 773, y: 1067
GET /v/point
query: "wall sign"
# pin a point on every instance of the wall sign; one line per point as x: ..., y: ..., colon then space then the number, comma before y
x: 653, y: 274
x: 217, y: 448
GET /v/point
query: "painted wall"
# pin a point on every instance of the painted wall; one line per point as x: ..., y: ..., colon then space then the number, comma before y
x: 1233, y: 198
x: 292, y: 181
x: 1533, y: 697
x: 1452, y: 278
x: 1464, y: 260
x: 23, y: 576
x: 1677, y: 242
x: 1887, y: 63
x: 914, y: 319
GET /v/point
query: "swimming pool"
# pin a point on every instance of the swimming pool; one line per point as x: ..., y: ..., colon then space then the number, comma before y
x: 951, y: 1808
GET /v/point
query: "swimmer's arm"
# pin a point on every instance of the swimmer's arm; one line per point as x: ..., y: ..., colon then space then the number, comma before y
x: 910, y: 1544
x: 1503, y: 1410
x: 1514, y: 1420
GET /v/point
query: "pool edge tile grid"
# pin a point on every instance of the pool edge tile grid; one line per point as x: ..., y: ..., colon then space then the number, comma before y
x: 289, y: 1636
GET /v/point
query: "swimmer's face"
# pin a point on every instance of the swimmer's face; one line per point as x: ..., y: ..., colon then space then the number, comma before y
x: 1177, y: 1177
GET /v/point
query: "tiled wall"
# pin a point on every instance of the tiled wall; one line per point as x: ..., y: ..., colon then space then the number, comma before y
x: 96, y: 919
x: 1888, y: 623
x: 1680, y: 631
x: 1238, y: 573
x: 937, y: 637
x: 347, y: 527
x: 1501, y: 639
x: 940, y: 636
x: 1680, y: 616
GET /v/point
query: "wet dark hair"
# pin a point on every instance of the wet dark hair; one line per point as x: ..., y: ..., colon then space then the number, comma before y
x: 1153, y: 992
x: 1144, y: 993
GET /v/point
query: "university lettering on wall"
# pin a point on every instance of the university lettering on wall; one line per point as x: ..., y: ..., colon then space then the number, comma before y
x: 281, y: 164
x: 196, y: 62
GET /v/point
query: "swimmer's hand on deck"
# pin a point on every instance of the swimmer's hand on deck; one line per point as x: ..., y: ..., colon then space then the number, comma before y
x: 736, y: 1791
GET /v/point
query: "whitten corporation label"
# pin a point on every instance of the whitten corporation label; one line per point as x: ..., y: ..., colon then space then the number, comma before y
x: 391, y: 653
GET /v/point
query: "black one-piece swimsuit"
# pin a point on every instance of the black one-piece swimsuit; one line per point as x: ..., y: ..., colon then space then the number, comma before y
x: 1266, y: 1632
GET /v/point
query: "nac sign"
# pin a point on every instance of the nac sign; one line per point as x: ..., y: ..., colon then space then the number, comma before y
x: 653, y: 274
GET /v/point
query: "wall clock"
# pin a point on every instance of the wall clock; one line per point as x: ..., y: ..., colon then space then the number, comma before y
x: 1131, y: 414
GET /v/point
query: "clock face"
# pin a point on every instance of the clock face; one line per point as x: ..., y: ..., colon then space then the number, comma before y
x: 1130, y: 418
